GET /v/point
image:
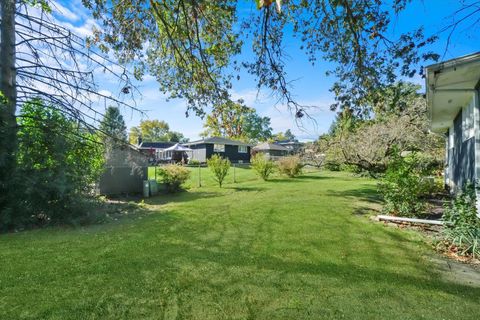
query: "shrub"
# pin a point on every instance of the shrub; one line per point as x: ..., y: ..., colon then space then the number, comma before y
x: 262, y: 166
x: 58, y: 163
x: 290, y: 166
x: 332, y: 165
x: 404, y: 186
x: 462, y: 224
x: 193, y: 162
x: 219, y: 168
x: 173, y: 176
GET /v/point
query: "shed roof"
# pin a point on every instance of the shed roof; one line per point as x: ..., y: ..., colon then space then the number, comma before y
x: 178, y: 147
x: 269, y: 146
x: 155, y: 145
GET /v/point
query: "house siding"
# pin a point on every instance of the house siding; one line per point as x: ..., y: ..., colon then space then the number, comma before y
x: 199, y: 152
x: 202, y: 152
x: 231, y: 152
x: 461, y: 158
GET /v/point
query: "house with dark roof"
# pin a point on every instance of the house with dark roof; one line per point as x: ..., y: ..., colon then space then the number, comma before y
x: 271, y: 150
x: 235, y: 151
x: 153, y: 150
x: 293, y: 146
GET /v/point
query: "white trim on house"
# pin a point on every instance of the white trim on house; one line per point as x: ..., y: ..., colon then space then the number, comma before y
x: 446, y: 168
x: 451, y: 136
x: 468, y: 130
x: 476, y: 129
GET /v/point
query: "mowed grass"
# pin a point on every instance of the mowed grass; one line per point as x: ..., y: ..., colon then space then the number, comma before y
x: 281, y: 249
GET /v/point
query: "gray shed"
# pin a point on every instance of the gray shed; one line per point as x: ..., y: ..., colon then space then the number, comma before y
x: 125, y: 170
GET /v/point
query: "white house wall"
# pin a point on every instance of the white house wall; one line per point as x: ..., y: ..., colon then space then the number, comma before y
x: 476, y: 113
x: 462, y: 156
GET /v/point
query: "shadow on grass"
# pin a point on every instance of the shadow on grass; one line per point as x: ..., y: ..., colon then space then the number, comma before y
x: 310, y: 177
x: 368, y: 194
x: 364, y: 211
x: 182, y: 196
x: 286, y: 179
x: 302, y: 178
x: 350, y: 273
x: 247, y: 189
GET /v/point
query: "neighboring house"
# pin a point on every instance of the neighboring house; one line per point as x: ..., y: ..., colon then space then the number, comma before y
x: 293, y: 146
x: 271, y: 150
x: 235, y: 151
x: 154, y: 150
x: 453, y: 105
x: 125, y: 170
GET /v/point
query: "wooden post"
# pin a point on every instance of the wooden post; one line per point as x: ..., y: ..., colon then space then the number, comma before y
x: 199, y: 176
x: 234, y: 177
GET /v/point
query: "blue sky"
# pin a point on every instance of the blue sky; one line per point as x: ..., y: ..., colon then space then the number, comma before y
x: 310, y: 86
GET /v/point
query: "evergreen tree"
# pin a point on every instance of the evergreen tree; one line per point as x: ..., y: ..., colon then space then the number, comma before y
x: 113, y: 126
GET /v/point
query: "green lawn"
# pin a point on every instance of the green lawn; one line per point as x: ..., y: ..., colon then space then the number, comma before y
x: 282, y: 249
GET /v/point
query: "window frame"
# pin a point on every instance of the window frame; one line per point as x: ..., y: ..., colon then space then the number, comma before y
x: 245, y: 150
x: 218, y: 147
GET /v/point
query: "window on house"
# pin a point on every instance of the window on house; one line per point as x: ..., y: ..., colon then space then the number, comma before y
x: 467, y: 122
x: 242, y: 149
x: 218, y: 148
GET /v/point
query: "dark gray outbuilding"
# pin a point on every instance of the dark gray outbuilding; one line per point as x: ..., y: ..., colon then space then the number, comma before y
x: 235, y: 151
x: 125, y: 171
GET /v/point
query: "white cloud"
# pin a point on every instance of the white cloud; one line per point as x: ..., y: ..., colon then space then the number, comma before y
x: 251, y: 97
x: 65, y: 13
x: 307, y: 128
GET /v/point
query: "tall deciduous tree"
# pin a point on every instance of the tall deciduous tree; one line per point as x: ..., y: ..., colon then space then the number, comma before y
x: 8, y: 99
x: 237, y: 121
x: 154, y: 131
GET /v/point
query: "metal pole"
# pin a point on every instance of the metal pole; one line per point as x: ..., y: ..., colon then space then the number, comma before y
x: 199, y: 176
x: 234, y: 176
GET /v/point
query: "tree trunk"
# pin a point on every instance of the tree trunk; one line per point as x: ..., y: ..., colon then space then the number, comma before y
x: 8, y: 123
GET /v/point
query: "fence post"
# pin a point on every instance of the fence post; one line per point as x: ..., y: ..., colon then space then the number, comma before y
x: 199, y: 176
x: 234, y: 176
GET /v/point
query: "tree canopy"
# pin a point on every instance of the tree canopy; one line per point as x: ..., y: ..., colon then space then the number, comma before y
x: 193, y: 47
x: 287, y: 135
x: 237, y: 121
x: 154, y: 131
x: 368, y: 144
